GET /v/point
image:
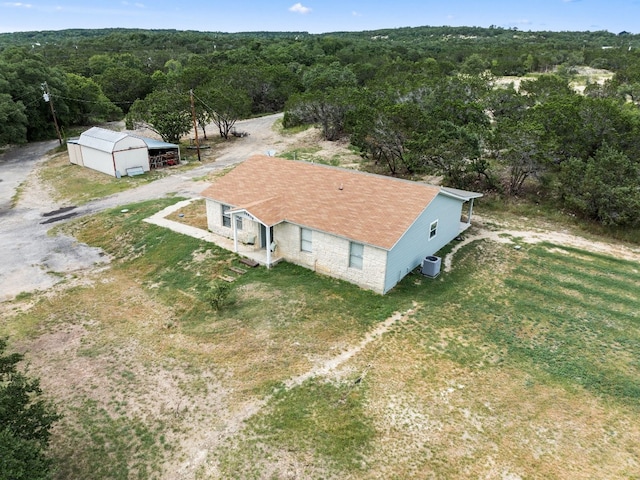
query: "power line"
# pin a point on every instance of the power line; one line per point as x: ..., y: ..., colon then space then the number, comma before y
x: 92, y: 101
x: 203, y: 102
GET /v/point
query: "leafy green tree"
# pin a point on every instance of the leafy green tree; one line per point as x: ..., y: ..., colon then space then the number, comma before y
x: 26, y: 419
x: 520, y: 150
x: 13, y: 121
x: 25, y: 73
x: 168, y: 113
x: 269, y: 86
x: 546, y: 86
x: 382, y: 131
x: 86, y: 102
x: 453, y: 151
x: 220, y: 294
x: 506, y: 102
x: 603, y: 188
x: 328, y: 109
x: 474, y: 64
x: 328, y: 77
x: 224, y: 106
x: 123, y: 85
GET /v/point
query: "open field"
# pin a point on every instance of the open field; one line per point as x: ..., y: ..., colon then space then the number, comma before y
x: 515, y: 364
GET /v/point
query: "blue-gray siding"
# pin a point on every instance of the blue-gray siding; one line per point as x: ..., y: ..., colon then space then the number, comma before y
x: 415, y: 245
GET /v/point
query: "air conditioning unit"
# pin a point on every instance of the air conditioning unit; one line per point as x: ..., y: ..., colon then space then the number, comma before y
x: 431, y: 266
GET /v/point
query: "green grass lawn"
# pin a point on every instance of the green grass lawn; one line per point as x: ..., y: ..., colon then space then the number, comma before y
x: 516, y: 364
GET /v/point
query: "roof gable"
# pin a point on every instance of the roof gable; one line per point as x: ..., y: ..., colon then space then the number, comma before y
x: 107, y: 140
x: 367, y: 208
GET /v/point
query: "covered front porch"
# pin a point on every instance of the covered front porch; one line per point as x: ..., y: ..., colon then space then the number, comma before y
x: 252, y: 252
x: 468, y: 198
x: 260, y: 246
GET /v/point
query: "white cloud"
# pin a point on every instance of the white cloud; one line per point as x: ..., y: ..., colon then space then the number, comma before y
x: 299, y: 8
x: 17, y: 5
x: 356, y: 14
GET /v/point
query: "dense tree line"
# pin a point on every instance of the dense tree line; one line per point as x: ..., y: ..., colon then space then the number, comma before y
x: 415, y: 101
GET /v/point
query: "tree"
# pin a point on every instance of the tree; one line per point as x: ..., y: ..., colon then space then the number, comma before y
x: 224, y: 105
x: 168, y: 113
x: 474, y: 65
x: 604, y: 188
x: 325, y: 77
x: 25, y: 423
x: 25, y: 73
x: 546, y: 86
x: 519, y: 148
x: 328, y: 109
x: 124, y: 85
x: 382, y: 129
x: 13, y: 121
x: 87, y: 104
x: 220, y: 294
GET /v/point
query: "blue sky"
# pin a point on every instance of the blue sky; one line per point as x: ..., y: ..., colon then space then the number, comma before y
x: 319, y: 16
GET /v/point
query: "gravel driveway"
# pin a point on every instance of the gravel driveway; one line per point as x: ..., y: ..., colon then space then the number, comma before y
x: 31, y: 259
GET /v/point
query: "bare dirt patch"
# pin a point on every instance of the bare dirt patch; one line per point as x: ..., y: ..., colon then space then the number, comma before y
x: 113, y: 343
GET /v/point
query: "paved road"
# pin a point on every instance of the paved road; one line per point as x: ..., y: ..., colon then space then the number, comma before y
x: 31, y: 259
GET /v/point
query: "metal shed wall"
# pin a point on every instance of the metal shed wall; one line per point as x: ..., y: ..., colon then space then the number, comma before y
x: 112, y: 152
x: 75, y: 153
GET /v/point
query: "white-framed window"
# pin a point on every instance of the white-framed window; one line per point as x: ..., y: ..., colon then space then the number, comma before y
x: 356, y: 254
x: 306, y: 240
x: 433, y: 229
x: 226, y: 216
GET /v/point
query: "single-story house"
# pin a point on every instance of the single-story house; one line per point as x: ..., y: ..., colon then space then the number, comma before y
x: 368, y: 229
x: 120, y: 153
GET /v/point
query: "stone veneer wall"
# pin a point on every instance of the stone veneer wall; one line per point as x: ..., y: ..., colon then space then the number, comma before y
x: 330, y: 256
x: 214, y: 224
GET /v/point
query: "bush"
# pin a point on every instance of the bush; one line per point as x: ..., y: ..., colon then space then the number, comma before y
x: 25, y: 422
x: 219, y: 294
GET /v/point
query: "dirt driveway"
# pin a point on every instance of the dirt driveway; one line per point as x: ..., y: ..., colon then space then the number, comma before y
x: 32, y: 259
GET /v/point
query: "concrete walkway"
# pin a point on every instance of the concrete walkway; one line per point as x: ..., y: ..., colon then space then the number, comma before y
x: 249, y: 251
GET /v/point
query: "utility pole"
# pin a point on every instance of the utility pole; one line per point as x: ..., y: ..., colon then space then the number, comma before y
x: 47, y: 98
x: 195, y: 124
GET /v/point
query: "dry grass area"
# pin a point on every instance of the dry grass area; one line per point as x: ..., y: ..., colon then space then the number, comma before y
x: 153, y: 384
x: 194, y: 214
x: 512, y: 364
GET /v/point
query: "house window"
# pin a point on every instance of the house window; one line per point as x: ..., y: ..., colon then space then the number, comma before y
x: 356, y: 252
x: 305, y: 240
x: 226, y: 216
x: 433, y: 229
x: 238, y: 222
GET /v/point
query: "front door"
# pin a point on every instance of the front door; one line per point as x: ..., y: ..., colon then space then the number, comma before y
x: 263, y: 235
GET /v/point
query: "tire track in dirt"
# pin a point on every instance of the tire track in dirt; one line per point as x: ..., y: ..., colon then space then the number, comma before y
x: 513, y: 236
x: 235, y: 422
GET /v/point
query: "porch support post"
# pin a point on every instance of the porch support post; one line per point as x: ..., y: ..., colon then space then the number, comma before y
x: 268, y: 230
x: 470, y: 212
x: 235, y: 232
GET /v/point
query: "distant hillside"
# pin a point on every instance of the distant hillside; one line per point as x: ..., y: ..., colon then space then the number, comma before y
x: 425, y: 33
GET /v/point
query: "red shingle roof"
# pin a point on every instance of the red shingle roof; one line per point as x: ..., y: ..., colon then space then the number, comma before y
x: 366, y: 208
